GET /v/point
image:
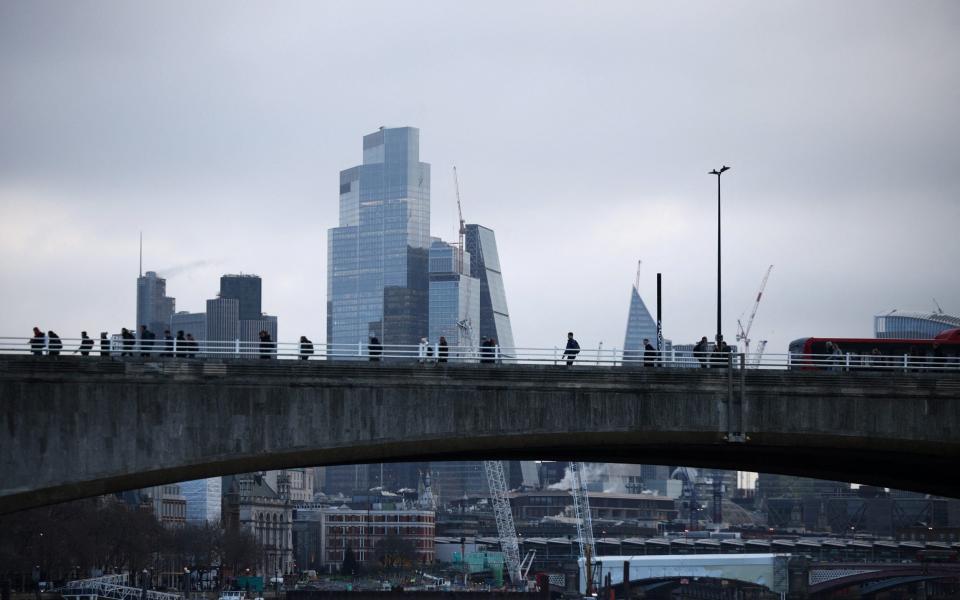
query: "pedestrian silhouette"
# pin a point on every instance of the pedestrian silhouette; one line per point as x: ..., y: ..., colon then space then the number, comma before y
x: 128, y: 339
x: 192, y: 346
x: 167, y: 344
x: 86, y: 344
x: 572, y: 350
x: 374, y: 349
x: 306, y: 348
x: 146, y: 340
x: 700, y: 352
x: 53, y: 344
x: 442, y: 350
x: 266, y: 345
x: 649, y: 354
x: 181, y: 344
x: 104, y: 344
x: 37, y: 342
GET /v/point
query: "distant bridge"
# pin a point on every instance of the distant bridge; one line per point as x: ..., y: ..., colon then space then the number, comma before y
x: 75, y: 427
x: 781, y: 573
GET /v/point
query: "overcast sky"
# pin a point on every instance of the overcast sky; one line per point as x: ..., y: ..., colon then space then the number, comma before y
x: 582, y: 133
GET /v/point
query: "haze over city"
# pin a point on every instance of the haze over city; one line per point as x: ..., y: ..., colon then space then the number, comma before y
x: 582, y: 135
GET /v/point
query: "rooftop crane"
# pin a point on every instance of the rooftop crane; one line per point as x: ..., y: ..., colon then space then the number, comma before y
x: 744, y: 333
x: 464, y: 325
x: 463, y: 225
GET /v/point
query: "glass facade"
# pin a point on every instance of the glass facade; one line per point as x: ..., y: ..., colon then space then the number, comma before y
x: 203, y: 500
x: 223, y: 318
x: 377, y: 258
x: 454, y: 299
x: 154, y: 307
x: 912, y: 325
x: 246, y: 289
x: 640, y: 325
x: 481, y: 244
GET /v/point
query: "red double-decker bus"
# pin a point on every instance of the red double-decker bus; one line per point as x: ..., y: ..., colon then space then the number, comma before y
x: 943, y: 351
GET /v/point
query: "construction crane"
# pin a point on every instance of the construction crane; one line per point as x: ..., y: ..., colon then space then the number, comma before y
x: 581, y: 510
x: 465, y: 326
x: 506, y: 529
x: 744, y: 333
x: 463, y: 224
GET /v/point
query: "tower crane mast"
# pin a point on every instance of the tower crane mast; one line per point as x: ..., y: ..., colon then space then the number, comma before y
x: 743, y: 333
x: 506, y: 529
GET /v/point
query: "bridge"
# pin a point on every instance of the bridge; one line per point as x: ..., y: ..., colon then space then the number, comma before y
x: 780, y: 573
x: 76, y: 427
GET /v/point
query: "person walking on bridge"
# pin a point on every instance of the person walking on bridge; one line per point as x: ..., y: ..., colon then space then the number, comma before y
x: 37, y: 342
x: 374, y: 349
x: 649, y: 354
x: 266, y: 345
x: 146, y: 340
x: 53, y: 344
x: 181, y: 344
x: 192, y: 346
x: 442, y: 350
x: 306, y: 348
x: 700, y: 352
x: 572, y: 350
x: 104, y: 344
x: 128, y: 338
x: 86, y: 344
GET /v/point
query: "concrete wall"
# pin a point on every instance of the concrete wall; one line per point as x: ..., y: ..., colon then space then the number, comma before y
x: 75, y: 427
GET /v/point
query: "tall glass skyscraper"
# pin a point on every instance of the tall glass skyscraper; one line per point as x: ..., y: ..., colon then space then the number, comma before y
x: 377, y: 258
x: 481, y: 244
x: 246, y: 289
x: 640, y: 325
x: 154, y: 307
x: 454, y: 299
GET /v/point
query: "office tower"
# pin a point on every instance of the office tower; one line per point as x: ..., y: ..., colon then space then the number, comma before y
x: 481, y: 244
x: 640, y: 326
x: 456, y: 479
x: 377, y: 257
x: 188, y: 322
x: 222, y: 319
x: 347, y: 479
x: 249, y: 330
x: 899, y: 324
x: 246, y: 289
x: 454, y: 299
x: 153, y: 306
x: 204, y: 499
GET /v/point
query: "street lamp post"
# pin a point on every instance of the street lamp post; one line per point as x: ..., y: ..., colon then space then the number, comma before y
x: 718, y: 174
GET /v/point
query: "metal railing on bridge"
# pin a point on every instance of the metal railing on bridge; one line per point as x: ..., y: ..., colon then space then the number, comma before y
x: 162, y: 349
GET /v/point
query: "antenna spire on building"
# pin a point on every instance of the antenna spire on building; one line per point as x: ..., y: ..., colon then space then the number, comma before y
x: 637, y: 284
x: 141, y: 254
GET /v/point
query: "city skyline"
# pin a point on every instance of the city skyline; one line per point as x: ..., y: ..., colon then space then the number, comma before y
x: 827, y: 154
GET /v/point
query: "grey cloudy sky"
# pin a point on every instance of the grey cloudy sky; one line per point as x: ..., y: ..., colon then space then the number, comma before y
x: 582, y: 133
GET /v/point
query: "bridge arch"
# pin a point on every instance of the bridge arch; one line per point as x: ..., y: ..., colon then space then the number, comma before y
x: 74, y: 428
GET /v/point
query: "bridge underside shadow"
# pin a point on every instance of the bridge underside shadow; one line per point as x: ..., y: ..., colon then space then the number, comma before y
x: 77, y: 428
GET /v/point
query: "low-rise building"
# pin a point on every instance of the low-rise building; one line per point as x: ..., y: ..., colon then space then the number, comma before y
x: 323, y: 533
